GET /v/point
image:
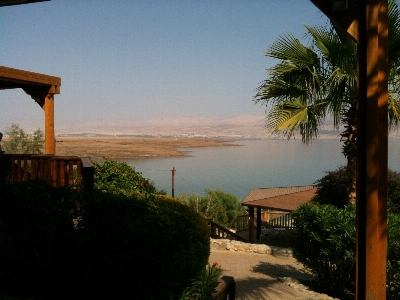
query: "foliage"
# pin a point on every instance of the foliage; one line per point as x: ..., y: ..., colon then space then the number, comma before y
x: 204, y: 284
x: 325, y: 244
x: 311, y: 83
x: 21, y: 142
x: 117, y: 177
x: 124, y: 242
x: 136, y: 248
x: 221, y: 207
x: 334, y: 188
x: 393, y: 192
x: 36, y: 229
x: 326, y: 241
x: 393, y: 257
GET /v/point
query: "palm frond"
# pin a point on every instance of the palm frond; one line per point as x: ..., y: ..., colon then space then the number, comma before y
x: 288, y: 48
x: 295, y: 116
x: 393, y: 111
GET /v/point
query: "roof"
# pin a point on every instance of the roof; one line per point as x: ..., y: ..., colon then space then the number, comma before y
x: 17, y: 2
x: 34, y: 84
x: 282, y: 198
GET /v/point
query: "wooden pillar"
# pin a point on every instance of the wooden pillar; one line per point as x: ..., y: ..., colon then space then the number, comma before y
x: 48, y: 107
x: 372, y: 150
x: 258, y: 223
x: 251, y: 224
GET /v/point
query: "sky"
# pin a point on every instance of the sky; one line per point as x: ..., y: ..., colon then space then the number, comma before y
x: 137, y: 60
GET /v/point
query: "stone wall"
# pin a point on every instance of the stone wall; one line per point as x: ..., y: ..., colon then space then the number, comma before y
x: 231, y: 245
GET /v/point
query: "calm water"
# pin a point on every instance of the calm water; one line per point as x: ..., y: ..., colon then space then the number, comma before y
x: 254, y: 164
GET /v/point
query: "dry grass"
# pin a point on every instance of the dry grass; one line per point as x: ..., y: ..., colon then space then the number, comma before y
x: 129, y: 147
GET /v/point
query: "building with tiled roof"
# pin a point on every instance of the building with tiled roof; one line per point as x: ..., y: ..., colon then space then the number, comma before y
x: 285, y: 199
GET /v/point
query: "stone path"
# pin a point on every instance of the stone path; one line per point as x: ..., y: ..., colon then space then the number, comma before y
x: 263, y: 276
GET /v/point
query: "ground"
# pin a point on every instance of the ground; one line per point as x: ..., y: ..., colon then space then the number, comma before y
x: 130, y: 147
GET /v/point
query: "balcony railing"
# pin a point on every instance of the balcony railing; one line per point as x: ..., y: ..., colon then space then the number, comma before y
x: 57, y: 170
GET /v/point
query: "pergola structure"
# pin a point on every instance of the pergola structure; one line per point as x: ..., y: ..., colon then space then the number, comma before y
x: 286, y: 199
x: 42, y: 89
x: 366, y: 22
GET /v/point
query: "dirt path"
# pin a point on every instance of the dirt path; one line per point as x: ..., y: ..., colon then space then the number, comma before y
x: 256, y: 276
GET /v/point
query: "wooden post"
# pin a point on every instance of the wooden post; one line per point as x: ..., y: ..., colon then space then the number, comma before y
x: 251, y: 224
x: 366, y: 21
x: 372, y: 150
x: 173, y: 182
x: 48, y: 107
x: 258, y: 223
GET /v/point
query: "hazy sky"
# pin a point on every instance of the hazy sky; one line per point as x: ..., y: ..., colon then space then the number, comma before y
x: 144, y: 60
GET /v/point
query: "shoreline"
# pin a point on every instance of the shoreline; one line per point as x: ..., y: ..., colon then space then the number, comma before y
x: 135, y: 147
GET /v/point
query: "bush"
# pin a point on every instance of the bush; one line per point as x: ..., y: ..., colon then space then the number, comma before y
x: 117, y: 177
x: 221, y: 207
x: 21, y: 142
x: 325, y: 244
x: 393, y: 257
x: 123, y: 244
x: 334, y: 188
x: 134, y: 248
x: 393, y: 199
x: 36, y: 229
x: 204, y: 284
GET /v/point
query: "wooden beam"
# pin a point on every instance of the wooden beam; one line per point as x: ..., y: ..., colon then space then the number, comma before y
x: 29, y: 78
x: 251, y: 224
x: 258, y: 229
x: 18, y: 2
x: 367, y: 24
x: 48, y: 107
x: 346, y: 19
x: 372, y: 150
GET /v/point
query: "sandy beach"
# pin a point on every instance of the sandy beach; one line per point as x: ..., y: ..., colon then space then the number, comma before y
x: 130, y: 147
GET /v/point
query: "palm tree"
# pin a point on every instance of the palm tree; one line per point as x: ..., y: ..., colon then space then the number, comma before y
x: 311, y: 83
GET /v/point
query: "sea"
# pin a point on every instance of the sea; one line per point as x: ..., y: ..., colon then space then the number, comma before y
x: 262, y: 163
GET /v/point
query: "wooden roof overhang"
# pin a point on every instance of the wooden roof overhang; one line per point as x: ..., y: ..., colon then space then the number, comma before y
x: 41, y: 88
x: 17, y: 2
x: 285, y: 199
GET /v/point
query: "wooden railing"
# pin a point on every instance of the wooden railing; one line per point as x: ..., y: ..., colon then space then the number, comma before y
x: 58, y: 170
x: 220, y: 232
x: 241, y: 223
x: 269, y: 219
x: 284, y: 221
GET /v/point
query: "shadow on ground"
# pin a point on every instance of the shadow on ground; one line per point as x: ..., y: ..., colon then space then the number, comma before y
x: 258, y: 288
x: 275, y: 271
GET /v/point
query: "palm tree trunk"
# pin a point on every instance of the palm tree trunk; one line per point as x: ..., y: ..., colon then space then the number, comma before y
x: 349, y: 150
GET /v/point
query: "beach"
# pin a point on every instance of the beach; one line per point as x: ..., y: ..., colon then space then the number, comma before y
x: 133, y: 147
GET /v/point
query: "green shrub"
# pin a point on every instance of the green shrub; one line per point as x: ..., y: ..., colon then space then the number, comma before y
x: 334, y: 188
x: 36, y: 229
x: 125, y: 243
x: 326, y: 241
x: 393, y: 197
x: 21, y: 142
x: 325, y: 244
x: 221, y: 207
x: 136, y: 248
x: 117, y: 177
x: 393, y: 257
x: 204, y: 284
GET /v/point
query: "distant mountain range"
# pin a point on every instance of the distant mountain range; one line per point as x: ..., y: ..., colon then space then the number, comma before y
x: 247, y: 126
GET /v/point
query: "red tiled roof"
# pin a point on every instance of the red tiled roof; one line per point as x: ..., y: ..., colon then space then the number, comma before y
x: 282, y: 199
